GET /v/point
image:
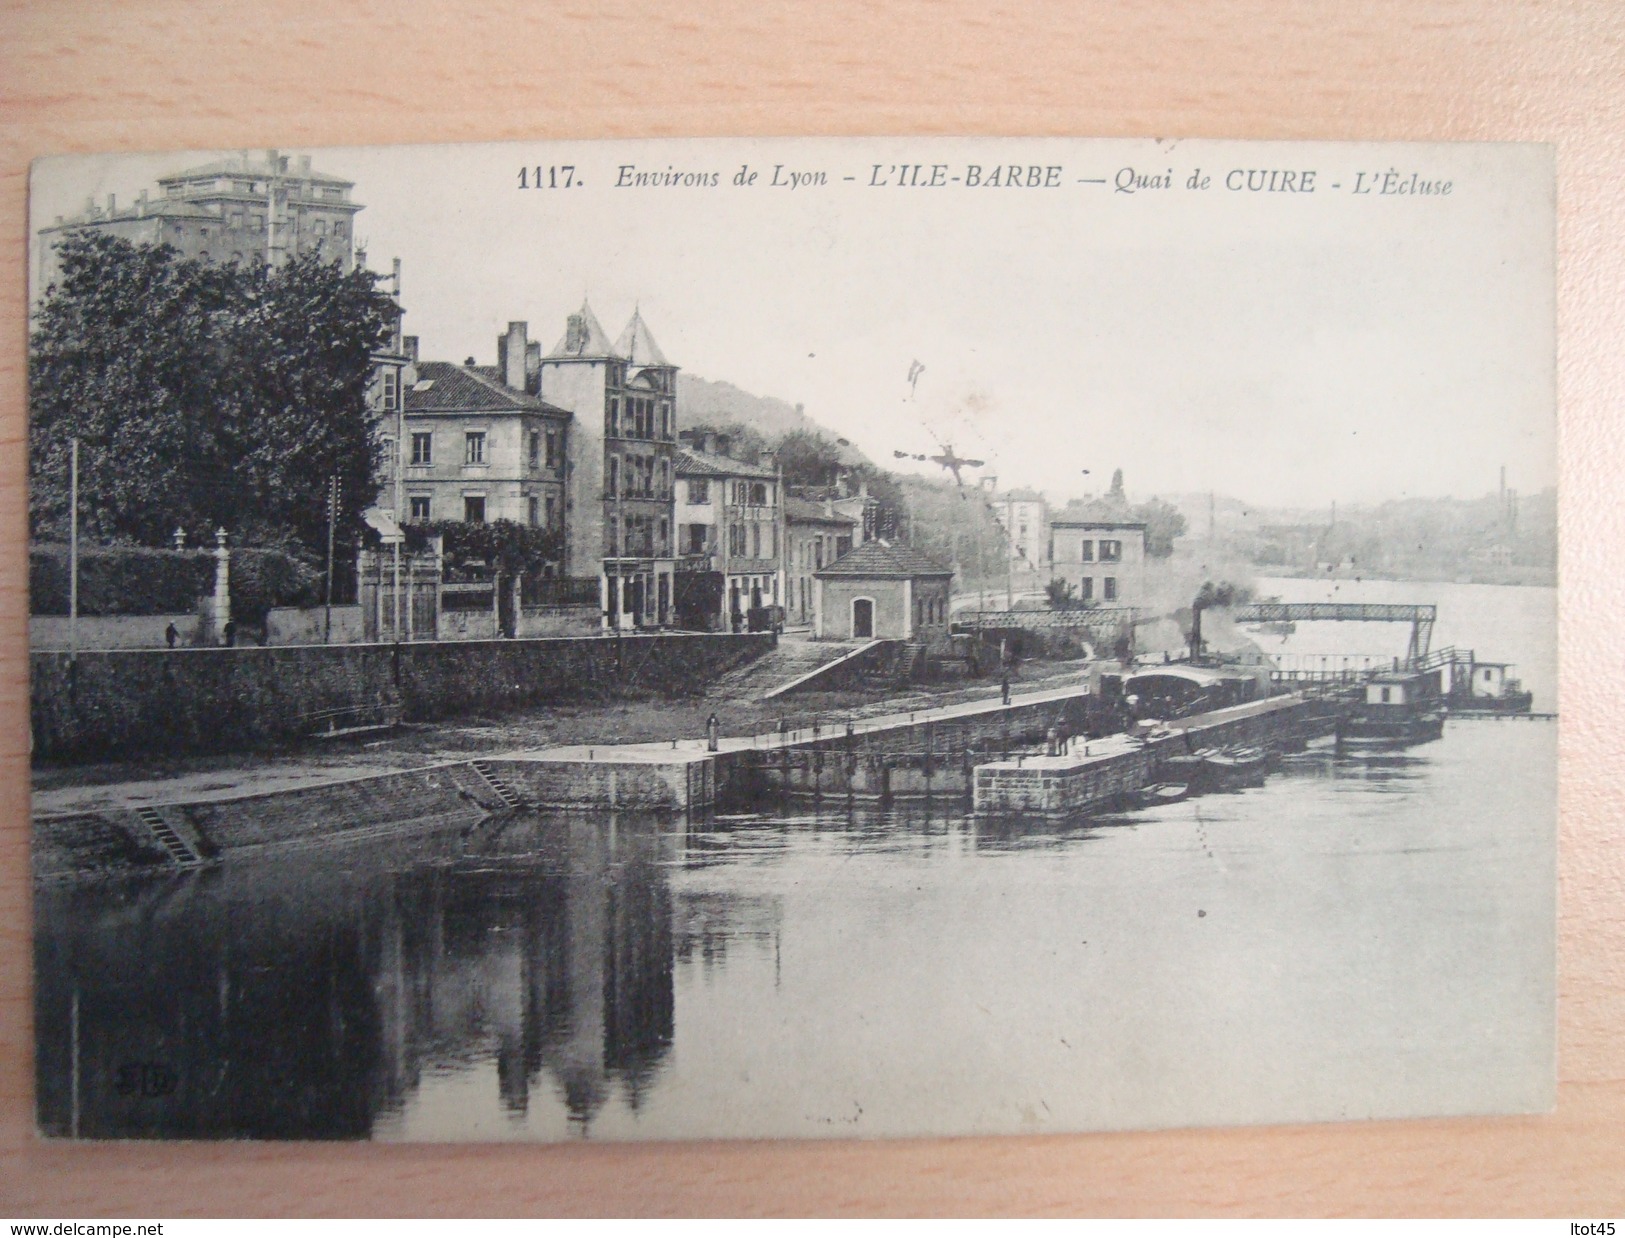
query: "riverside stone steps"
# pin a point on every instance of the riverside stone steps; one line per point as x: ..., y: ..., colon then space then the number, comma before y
x: 511, y: 799
x: 167, y: 837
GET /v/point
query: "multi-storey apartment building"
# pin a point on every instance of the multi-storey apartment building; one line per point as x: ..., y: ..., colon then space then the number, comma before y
x: 248, y: 208
x: 1100, y: 553
x: 730, y: 518
x: 619, y: 479
x: 817, y: 534
x: 1024, y: 516
x: 477, y: 444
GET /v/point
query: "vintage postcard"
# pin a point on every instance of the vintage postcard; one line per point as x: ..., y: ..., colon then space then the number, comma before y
x: 791, y: 638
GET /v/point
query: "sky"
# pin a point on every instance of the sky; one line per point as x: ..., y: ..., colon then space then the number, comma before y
x: 1286, y: 348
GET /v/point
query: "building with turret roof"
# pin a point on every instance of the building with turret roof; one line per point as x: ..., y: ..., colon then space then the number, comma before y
x: 620, y: 481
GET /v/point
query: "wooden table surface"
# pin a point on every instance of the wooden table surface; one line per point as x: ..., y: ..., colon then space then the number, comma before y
x: 95, y: 75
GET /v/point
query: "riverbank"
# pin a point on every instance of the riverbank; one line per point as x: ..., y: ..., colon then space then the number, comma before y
x: 77, y: 788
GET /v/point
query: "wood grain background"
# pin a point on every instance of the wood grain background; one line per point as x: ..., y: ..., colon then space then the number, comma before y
x: 94, y: 75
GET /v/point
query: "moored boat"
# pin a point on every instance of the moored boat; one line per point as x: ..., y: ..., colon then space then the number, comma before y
x: 1159, y: 793
x: 1399, y: 707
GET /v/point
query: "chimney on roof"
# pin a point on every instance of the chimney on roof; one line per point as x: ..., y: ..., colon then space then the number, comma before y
x: 112, y: 205
x: 273, y: 157
x: 468, y: 362
x: 725, y: 445
x: 575, y: 333
x: 829, y: 506
x: 304, y: 163
x: 511, y: 350
x: 409, y: 345
x: 708, y: 442
x: 533, y: 367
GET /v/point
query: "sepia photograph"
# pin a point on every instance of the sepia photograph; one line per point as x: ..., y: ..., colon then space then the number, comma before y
x: 796, y: 639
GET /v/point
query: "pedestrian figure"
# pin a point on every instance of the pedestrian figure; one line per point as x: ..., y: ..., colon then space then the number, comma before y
x: 172, y: 634
x: 713, y: 733
x: 784, y: 731
x: 231, y: 633
x: 1004, y: 688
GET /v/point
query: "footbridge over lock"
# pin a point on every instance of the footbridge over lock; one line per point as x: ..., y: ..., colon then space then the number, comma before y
x: 1421, y: 617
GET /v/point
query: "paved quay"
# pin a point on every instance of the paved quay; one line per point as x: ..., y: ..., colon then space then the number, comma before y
x: 241, y: 777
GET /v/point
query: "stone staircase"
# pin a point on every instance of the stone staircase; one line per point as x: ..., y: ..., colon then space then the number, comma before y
x: 182, y: 850
x: 510, y: 799
x: 790, y: 660
x: 910, y: 662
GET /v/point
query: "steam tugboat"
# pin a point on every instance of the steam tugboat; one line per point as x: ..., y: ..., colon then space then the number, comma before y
x: 1400, y: 707
x: 1486, y: 688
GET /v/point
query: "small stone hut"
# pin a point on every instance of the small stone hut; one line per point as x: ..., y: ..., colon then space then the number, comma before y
x: 883, y: 591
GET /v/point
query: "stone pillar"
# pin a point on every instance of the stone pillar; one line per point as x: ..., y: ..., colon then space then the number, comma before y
x: 220, y: 610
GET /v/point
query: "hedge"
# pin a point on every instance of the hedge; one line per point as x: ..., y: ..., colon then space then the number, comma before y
x: 138, y: 580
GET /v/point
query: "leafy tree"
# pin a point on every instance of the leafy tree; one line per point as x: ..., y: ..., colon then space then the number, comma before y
x: 203, y: 395
x: 809, y: 459
x: 506, y: 547
x: 1163, y: 523
x: 1116, y: 491
x: 1060, y: 593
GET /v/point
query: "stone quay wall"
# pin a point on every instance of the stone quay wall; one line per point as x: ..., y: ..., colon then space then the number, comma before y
x: 126, y: 703
x: 918, y: 757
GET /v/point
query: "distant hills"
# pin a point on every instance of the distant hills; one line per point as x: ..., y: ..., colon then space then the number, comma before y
x: 1414, y: 538
x: 722, y: 405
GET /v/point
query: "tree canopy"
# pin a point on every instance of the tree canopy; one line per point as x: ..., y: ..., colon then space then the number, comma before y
x: 203, y: 395
x: 1163, y: 523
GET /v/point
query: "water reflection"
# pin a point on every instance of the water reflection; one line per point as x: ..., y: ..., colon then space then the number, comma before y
x: 554, y: 975
x: 305, y: 1000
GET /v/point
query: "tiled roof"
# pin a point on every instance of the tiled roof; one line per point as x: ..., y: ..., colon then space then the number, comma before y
x: 878, y: 559
x: 810, y: 512
x: 446, y: 388
x: 1097, y: 511
x: 703, y: 464
x: 638, y: 346
x: 595, y: 344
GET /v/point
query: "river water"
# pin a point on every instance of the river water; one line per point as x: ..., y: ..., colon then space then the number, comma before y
x: 1361, y: 936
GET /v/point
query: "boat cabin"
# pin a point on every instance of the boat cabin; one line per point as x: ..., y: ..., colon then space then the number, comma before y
x: 1489, y: 679
x: 1400, y: 688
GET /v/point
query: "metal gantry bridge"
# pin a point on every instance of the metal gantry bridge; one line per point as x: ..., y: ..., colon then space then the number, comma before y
x: 1100, y: 620
x: 1420, y: 617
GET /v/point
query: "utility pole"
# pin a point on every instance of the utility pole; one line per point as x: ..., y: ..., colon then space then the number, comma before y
x: 400, y: 448
x: 332, y: 515
x: 73, y: 549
